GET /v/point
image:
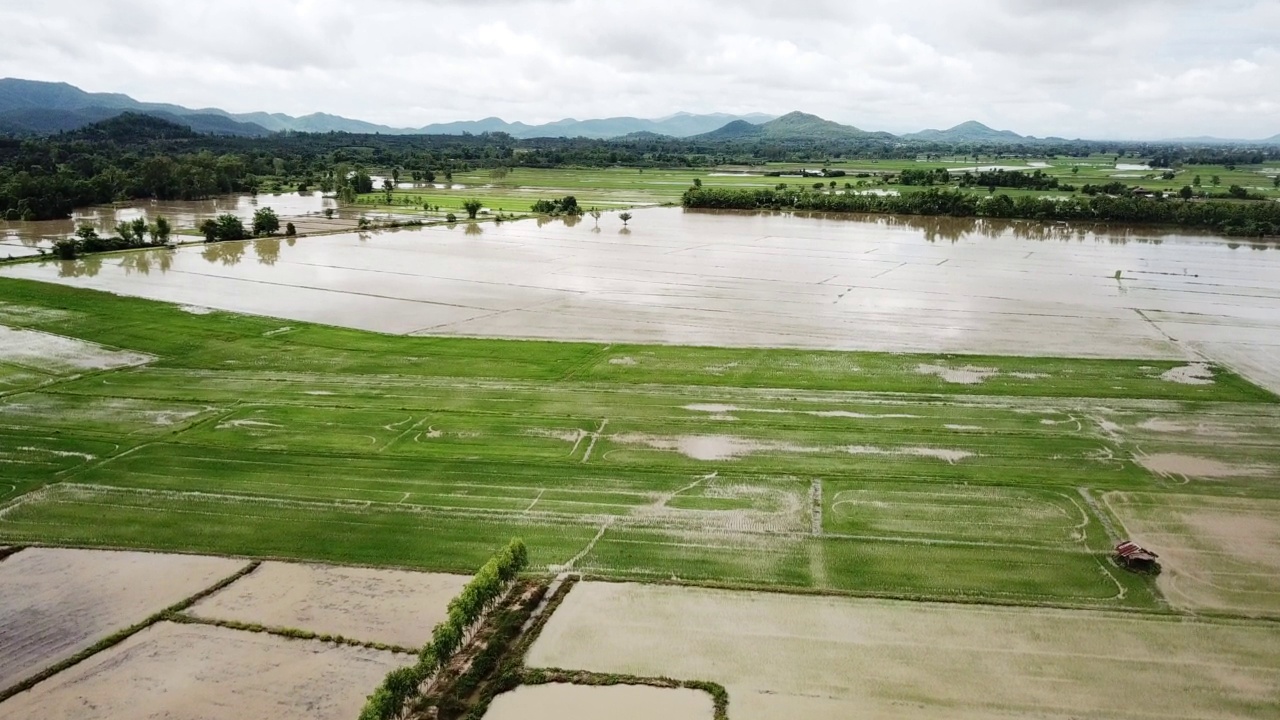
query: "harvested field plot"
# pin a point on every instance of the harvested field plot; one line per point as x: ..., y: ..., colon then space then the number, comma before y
x: 384, y: 606
x: 559, y: 701
x: 1219, y: 553
x: 55, y: 602
x: 198, y: 672
x: 831, y: 658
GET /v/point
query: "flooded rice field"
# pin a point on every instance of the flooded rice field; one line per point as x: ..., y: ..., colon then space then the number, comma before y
x: 23, y: 238
x: 831, y: 658
x: 703, y: 278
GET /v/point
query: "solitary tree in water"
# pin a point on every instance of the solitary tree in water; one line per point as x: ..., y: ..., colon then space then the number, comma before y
x: 595, y: 214
x: 472, y: 207
x: 160, y: 230
x: 625, y: 218
x: 265, y: 222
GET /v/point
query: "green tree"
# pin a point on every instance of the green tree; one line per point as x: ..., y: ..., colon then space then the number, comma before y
x: 1215, y: 181
x: 328, y: 213
x: 139, y: 230
x: 265, y: 222
x: 290, y: 230
x: 125, y: 231
x: 625, y: 218
x: 229, y: 227
x: 160, y: 230
x: 1186, y: 192
x: 472, y: 207
x: 209, y: 228
x: 595, y: 215
x: 1275, y: 182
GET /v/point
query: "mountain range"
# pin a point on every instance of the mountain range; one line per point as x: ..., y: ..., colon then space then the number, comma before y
x: 30, y: 107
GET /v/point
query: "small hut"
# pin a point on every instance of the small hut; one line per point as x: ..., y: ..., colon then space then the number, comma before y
x: 1131, y: 556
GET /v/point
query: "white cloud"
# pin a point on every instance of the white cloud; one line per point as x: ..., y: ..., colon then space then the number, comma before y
x: 1092, y: 68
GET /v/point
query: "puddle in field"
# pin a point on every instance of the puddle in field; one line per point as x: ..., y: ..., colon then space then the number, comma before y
x: 1193, y: 374
x: 1161, y: 425
x: 722, y: 410
x: 967, y: 375
x: 951, y: 456
x: 731, y: 447
x: 59, y: 354
x: 622, y: 361
x: 1200, y: 467
x: 252, y: 424
x: 711, y: 447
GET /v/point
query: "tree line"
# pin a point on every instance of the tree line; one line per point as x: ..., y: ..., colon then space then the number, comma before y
x: 135, y: 156
x: 1246, y: 219
x: 480, y: 595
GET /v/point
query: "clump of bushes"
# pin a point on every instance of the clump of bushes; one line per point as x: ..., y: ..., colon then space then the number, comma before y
x: 567, y: 205
x: 135, y: 234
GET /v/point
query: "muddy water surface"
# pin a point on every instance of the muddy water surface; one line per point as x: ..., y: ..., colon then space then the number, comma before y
x: 17, y: 236
x: 674, y: 276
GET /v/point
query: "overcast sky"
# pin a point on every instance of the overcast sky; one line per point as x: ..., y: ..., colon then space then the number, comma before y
x: 1084, y: 68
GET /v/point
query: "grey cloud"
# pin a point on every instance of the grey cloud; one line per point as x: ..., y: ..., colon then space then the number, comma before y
x: 1097, y: 68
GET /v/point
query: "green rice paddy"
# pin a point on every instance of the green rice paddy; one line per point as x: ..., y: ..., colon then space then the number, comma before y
x: 867, y: 473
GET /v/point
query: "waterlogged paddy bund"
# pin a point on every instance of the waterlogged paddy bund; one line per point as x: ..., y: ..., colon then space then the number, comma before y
x: 825, y: 658
x: 559, y: 701
x: 899, y: 284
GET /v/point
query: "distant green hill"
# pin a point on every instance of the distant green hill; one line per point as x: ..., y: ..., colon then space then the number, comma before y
x: 792, y: 126
x: 971, y: 131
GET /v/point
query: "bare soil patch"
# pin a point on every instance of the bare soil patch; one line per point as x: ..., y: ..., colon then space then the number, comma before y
x: 828, y: 658
x: 55, y: 602
x: 562, y: 701
x: 396, y: 607
x: 199, y: 672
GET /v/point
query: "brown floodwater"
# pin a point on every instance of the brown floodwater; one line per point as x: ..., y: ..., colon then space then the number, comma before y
x: 21, y: 238
x: 741, y: 279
